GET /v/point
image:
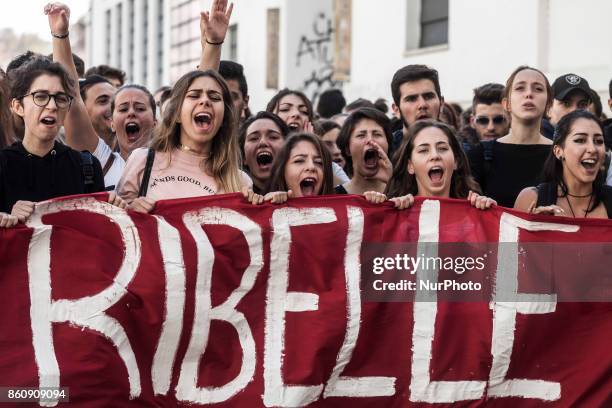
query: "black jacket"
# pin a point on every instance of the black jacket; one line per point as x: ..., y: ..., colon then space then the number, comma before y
x: 547, y: 129
x: 24, y: 176
x: 607, y: 125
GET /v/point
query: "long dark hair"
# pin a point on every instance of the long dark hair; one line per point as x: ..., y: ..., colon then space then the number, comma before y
x: 277, y: 180
x: 282, y: 126
x: 403, y: 183
x: 553, y: 167
x: 273, y: 104
x: 7, y: 135
x: 349, y: 125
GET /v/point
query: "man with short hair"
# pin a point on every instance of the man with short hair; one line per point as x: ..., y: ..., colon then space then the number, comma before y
x: 489, y: 118
x: 233, y: 73
x: 115, y: 76
x: 416, y: 95
x: 97, y: 93
x: 571, y: 92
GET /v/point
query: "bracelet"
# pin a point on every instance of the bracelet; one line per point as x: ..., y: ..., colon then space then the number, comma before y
x: 60, y: 36
x: 213, y: 43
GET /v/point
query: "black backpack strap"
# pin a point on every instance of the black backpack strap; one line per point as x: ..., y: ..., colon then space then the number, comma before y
x: 87, y: 168
x: 144, y: 184
x: 606, y: 193
x: 487, y: 153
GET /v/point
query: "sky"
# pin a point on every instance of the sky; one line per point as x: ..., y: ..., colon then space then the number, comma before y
x: 26, y: 16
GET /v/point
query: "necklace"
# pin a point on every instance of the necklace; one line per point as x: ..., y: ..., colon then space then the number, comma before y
x: 586, y: 212
x: 191, y: 151
x: 581, y: 196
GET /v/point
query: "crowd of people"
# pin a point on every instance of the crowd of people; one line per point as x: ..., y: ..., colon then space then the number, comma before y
x: 525, y: 144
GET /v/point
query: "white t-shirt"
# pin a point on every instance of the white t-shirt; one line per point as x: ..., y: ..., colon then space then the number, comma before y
x: 340, y: 173
x: 102, y: 153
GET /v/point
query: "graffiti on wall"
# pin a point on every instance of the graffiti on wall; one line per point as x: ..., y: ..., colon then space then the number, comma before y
x: 316, y: 48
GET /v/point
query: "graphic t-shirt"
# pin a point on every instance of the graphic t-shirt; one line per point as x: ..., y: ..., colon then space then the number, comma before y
x: 179, y: 174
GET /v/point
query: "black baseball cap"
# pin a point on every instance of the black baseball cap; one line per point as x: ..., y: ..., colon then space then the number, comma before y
x: 568, y: 83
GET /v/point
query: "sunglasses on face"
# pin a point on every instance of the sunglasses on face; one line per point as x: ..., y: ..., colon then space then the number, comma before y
x: 484, y: 120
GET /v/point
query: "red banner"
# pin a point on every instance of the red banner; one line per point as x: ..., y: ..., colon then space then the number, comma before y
x: 217, y: 302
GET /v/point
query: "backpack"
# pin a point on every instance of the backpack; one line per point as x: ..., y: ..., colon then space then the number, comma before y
x: 87, y: 169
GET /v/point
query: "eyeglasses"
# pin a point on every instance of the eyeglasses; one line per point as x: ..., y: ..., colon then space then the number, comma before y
x: 484, y: 120
x: 42, y: 98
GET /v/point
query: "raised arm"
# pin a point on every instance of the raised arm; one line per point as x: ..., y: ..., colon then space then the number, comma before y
x: 213, y: 28
x: 80, y: 134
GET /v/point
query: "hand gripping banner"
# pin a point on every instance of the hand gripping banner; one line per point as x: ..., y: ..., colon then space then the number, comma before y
x: 322, y: 302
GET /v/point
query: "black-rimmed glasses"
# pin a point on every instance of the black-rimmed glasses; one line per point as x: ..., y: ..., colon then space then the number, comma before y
x: 42, y: 98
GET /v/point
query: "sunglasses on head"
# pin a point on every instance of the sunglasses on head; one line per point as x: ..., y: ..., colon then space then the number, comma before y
x: 484, y: 120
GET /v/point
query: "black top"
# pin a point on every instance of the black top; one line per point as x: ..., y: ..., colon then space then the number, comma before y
x: 24, y: 176
x: 607, y: 125
x: 339, y: 189
x: 507, y: 169
x: 547, y: 195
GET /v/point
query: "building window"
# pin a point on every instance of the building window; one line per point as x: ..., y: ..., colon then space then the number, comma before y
x: 272, y: 56
x: 108, y: 36
x: 426, y: 23
x: 160, y: 40
x: 119, y: 30
x: 434, y: 23
x: 230, y: 52
x: 145, y: 51
x: 131, y: 40
x: 342, y: 40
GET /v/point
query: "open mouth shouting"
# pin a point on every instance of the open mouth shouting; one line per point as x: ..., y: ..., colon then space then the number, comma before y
x: 294, y: 126
x: 370, y: 159
x: 203, y: 121
x: 436, y: 175
x: 264, y: 160
x: 49, y: 121
x: 590, y: 165
x: 132, y: 130
x: 308, y: 186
